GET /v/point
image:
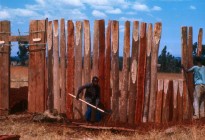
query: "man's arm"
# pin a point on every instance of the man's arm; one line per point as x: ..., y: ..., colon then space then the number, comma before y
x: 98, y: 97
x: 80, y: 89
x: 187, y: 70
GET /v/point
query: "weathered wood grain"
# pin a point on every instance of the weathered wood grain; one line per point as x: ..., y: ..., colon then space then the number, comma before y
x: 125, y: 74
x: 78, y: 68
x: 4, y: 67
x: 133, y: 72
x: 70, y: 69
x: 154, y: 62
x: 148, y: 73
x: 200, y: 37
x: 95, y: 48
x: 62, y: 67
x: 159, y: 101
x: 115, y: 70
x: 56, y: 76
x: 107, y: 91
x: 141, y: 72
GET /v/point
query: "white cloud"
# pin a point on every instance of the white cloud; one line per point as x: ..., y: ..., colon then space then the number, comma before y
x: 121, y: 28
x: 130, y: 19
x: 114, y: 11
x: 140, y: 7
x: 131, y: 13
x: 192, y: 7
x: 156, y: 8
x: 4, y: 14
x: 97, y: 13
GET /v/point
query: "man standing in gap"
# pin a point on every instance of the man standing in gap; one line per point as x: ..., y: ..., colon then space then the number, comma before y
x: 92, y: 96
x: 199, y: 82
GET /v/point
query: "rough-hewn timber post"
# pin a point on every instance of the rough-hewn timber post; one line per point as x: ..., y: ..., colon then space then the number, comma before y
x: 115, y: 70
x: 184, y: 61
x: 180, y: 101
x: 141, y: 72
x: 78, y: 69
x: 56, y: 77
x: 133, y: 72
x: 70, y: 69
x: 200, y: 36
x: 95, y: 48
x: 125, y: 73
x: 154, y: 62
x: 148, y: 73
x: 4, y: 67
x: 107, y: 90
x: 189, y: 65
x: 87, y: 48
x: 50, y: 66
x: 36, y: 93
x: 62, y: 67
x: 159, y: 101
x: 101, y: 58
x: 175, y: 93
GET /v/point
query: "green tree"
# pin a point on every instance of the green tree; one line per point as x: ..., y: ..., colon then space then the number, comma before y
x: 23, y: 52
x: 168, y: 62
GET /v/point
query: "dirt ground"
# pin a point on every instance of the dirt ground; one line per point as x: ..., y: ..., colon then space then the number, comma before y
x: 22, y: 124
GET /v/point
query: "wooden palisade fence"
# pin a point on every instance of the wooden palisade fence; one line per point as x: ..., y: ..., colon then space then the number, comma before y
x: 134, y: 94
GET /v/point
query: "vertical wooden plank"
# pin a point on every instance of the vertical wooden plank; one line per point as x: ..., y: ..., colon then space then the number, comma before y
x: 95, y: 48
x: 189, y: 65
x: 56, y: 81
x: 133, y: 72
x: 70, y: 69
x: 46, y: 66
x: 148, y: 73
x: 62, y: 67
x: 115, y: 70
x: 78, y: 69
x: 50, y: 66
x: 87, y: 59
x: 185, y: 62
x: 125, y: 73
x: 4, y: 66
x: 141, y: 74
x: 165, y: 106
x: 175, y: 92
x: 40, y: 62
x: 32, y: 68
x: 180, y: 101
x: 107, y: 91
x: 154, y: 62
x: 200, y: 36
x: 102, y: 58
x: 159, y: 101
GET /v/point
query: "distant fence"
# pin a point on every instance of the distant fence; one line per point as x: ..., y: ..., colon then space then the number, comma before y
x: 134, y: 94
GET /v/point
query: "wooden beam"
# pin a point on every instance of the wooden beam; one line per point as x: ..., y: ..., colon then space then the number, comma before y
x: 19, y: 38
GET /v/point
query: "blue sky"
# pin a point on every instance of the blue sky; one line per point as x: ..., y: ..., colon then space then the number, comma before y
x: 172, y: 13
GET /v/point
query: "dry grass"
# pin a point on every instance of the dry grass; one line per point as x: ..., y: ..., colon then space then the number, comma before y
x: 23, y: 126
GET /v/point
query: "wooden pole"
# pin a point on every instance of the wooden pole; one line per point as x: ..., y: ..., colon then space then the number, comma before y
x: 148, y: 73
x: 70, y: 69
x: 107, y: 91
x: 180, y: 101
x: 189, y: 65
x: 62, y: 67
x: 50, y: 66
x: 78, y: 68
x: 115, y: 70
x: 87, y: 59
x: 102, y: 58
x: 200, y: 37
x: 159, y: 101
x: 154, y: 62
x: 165, y: 106
x: 175, y: 93
x: 133, y: 72
x: 184, y: 62
x: 125, y: 71
x: 95, y: 48
x: 4, y: 67
x: 56, y: 81
x: 141, y: 74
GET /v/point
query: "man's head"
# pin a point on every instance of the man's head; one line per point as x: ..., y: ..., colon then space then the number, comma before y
x: 95, y: 80
x: 198, y: 60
